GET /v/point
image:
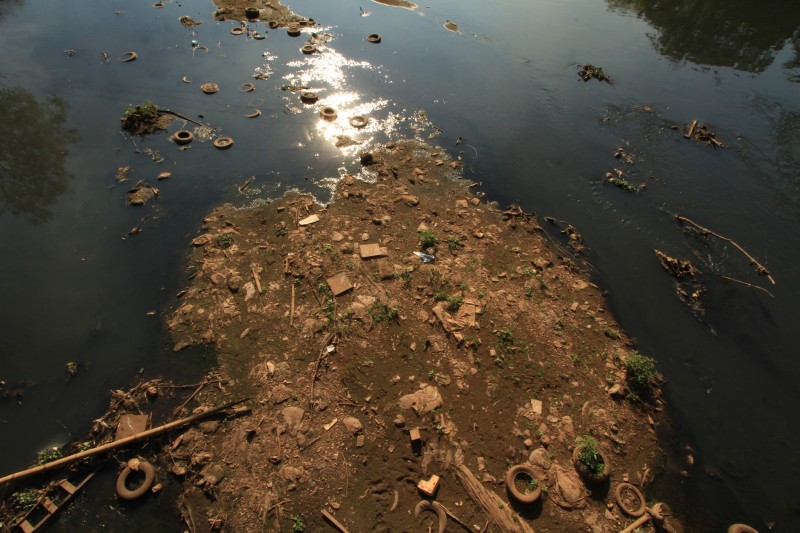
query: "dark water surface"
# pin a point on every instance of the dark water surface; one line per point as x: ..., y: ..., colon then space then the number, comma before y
x: 73, y: 289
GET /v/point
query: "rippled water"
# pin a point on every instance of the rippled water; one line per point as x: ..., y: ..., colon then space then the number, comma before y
x: 76, y: 286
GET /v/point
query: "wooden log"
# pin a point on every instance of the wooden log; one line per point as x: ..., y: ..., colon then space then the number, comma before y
x: 116, y: 444
x: 499, y: 511
x: 335, y: 523
x: 692, y: 127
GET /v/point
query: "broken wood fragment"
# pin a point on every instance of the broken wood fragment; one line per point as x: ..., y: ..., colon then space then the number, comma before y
x: 335, y: 523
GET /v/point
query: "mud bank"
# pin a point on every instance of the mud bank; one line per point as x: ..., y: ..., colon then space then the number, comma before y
x: 372, y: 372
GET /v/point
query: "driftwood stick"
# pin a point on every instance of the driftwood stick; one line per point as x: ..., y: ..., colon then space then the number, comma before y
x: 335, y: 523
x: 747, y: 284
x: 116, y: 444
x: 692, y: 126
x: 761, y: 270
x: 639, y: 522
x: 328, y: 339
x: 189, y: 399
x: 490, y: 502
x: 291, y: 311
x: 257, y: 278
x: 243, y: 187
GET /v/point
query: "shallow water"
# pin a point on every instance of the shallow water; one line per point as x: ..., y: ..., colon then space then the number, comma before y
x: 73, y: 289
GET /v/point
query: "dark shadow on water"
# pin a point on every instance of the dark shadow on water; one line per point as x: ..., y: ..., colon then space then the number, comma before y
x: 32, y: 154
x: 741, y: 34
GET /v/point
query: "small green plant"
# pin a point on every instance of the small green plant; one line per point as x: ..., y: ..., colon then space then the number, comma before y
x: 138, y: 116
x: 589, y: 454
x: 50, y: 454
x: 622, y: 183
x: 454, y: 303
x: 528, y: 271
x: 453, y: 243
x: 350, y: 264
x: 382, y: 311
x: 431, y: 375
x: 224, y: 240
x: 280, y: 230
x: 427, y: 238
x: 25, y: 499
x: 299, y: 526
x: 505, y: 335
x: 612, y: 334
x: 640, y: 373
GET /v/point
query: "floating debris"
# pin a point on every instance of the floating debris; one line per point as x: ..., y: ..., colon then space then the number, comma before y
x: 587, y: 72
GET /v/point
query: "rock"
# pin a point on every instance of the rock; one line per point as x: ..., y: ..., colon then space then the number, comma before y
x: 291, y: 473
x: 374, y: 249
x: 616, y: 391
x: 352, y: 424
x: 399, y: 420
x: 213, y: 474
x: 202, y: 240
x: 475, y: 201
x: 366, y: 159
x: 209, y: 426
x: 235, y: 283
x: 528, y: 443
x: 539, y: 457
x: 339, y: 284
x: 346, y: 248
x: 293, y: 416
x: 360, y: 440
x: 423, y: 401
x: 336, y: 236
x: 309, y: 220
x: 218, y: 280
x: 461, y: 203
x: 385, y: 270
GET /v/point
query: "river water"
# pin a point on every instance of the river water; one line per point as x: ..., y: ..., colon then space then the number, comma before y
x: 76, y: 287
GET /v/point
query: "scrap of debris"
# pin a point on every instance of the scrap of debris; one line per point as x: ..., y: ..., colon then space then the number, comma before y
x: 687, y: 286
x: 122, y: 174
x: 187, y: 21
x: 575, y: 238
x: 622, y: 155
x: 700, y: 133
x: 141, y: 193
x: 587, y: 72
x: 619, y: 179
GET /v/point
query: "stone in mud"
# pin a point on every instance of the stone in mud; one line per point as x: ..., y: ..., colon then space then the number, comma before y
x: 423, y: 401
x: 217, y: 279
x: 539, y: 457
x: 280, y: 393
x: 202, y: 240
x: 235, y: 283
x: 352, y: 424
x: 293, y: 416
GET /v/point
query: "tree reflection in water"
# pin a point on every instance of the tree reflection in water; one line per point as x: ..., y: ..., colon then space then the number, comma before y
x: 35, y: 141
x: 742, y: 34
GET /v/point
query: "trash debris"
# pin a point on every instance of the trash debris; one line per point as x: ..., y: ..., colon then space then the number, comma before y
x: 127, y: 57
x: 368, y: 251
x: 587, y: 72
x: 141, y: 193
x: 374, y: 38
x: 701, y: 134
x: 309, y: 220
x: 428, y: 487
x: 339, y: 284
x: 426, y: 258
x: 223, y: 143
x: 187, y: 21
x: 209, y: 88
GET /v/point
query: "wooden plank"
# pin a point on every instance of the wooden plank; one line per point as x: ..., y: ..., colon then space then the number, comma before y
x: 68, y: 487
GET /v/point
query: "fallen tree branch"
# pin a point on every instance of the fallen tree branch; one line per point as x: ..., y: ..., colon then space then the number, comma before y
x: 747, y: 284
x: 116, y: 444
x: 761, y: 270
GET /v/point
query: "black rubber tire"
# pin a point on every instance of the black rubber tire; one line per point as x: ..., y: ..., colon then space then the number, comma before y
x: 741, y: 528
x: 247, y: 87
x: 374, y: 38
x: 641, y: 507
x: 131, y: 494
x: 186, y: 79
x: 358, y: 121
x: 223, y: 143
x: 328, y: 113
x: 127, y: 57
x: 259, y: 36
x: 237, y: 30
x: 437, y: 508
x: 293, y: 31
x: 254, y: 114
x: 182, y: 137
x: 251, y: 13
x: 209, y: 88
x: 514, y: 492
x: 308, y: 49
x: 308, y: 97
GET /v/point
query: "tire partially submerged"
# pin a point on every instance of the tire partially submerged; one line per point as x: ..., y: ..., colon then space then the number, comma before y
x: 635, y: 509
x: 223, y: 143
x: 131, y: 494
x: 182, y: 137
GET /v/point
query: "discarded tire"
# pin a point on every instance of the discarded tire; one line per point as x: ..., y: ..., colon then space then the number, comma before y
x: 635, y: 509
x: 328, y: 113
x: 186, y: 79
x: 511, y: 486
x: 741, y: 528
x: 259, y: 36
x: 308, y: 97
x: 237, y: 30
x: 247, y: 87
x: 358, y: 121
x: 374, y: 38
x: 223, y: 143
x: 251, y: 13
x: 585, y: 473
x: 308, y: 49
x: 131, y: 494
x: 127, y: 57
x: 294, y: 31
x: 437, y: 508
x: 183, y: 137
x: 209, y: 88
x: 254, y: 114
